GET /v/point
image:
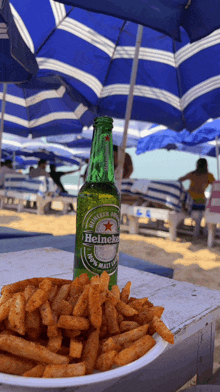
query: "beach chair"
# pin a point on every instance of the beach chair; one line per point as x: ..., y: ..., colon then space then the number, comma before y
x: 212, y: 212
x: 165, y: 202
x: 41, y: 190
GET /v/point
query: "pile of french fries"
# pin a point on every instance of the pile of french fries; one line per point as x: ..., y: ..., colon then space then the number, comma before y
x: 60, y: 328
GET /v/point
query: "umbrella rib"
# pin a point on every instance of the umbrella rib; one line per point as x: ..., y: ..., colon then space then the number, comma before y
x: 179, y: 85
x: 27, y: 108
x: 108, y: 70
x: 53, y: 31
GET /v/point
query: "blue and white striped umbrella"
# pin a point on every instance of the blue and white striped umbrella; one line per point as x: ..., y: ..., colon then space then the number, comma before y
x: 177, y: 84
x: 199, y: 18
x: 208, y: 149
x: 136, y: 131
x: 48, y: 148
x: 18, y: 63
x: 44, y: 106
x: 26, y: 149
x: 158, y: 136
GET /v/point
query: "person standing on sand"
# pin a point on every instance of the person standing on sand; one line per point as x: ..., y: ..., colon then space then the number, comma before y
x: 84, y: 175
x: 57, y: 175
x: 199, y: 181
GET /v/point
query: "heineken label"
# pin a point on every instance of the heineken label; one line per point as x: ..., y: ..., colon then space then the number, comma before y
x: 100, y: 239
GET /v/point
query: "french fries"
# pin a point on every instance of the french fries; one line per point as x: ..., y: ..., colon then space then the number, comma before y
x: 16, y: 315
x: 30, y: 350
x: 5, y: 309
x: 46, y: 314
x: 135, y: 351
x: 53, y: 328
x: 162, y: 329
x: 95, y: 309
x: 90, y: 351
x: 36, y: 300
x: 128, y: 325
x: 36, y: 371
x: 62, y: 294
x: 73, y: 322
x: 82, y: 302
x: 125, y: 292
x: 112, y: 319
x: 12, y: 364
x: 54, y: 344
x: 75, y: 348
x: 105, y: 361
x: 73, y: 370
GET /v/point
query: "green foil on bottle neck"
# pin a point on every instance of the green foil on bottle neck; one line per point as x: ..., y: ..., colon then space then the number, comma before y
x: 101, y: 164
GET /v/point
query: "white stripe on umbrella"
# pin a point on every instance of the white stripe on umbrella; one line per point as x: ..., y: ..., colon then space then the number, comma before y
x: 22, y: 29
x: 142, y: 91
x: 200, y: 89
x: 160, y: 56
x: 3, y: 31
x: 89, y: 35
x: 47, y: 118
x: 58, y: 11
x: 190, y: 50
x: 36, y: 98
x: 56, y: 65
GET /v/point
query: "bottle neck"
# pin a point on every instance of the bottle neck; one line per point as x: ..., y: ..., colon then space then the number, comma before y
x: 101, y: 163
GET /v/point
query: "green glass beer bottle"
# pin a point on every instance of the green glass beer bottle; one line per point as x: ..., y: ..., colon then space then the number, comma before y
x: 98, y: 209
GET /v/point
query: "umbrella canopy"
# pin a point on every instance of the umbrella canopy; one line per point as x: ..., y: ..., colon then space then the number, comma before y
x: 18, y: 63
x: 159, y: 136
x: 53, y: 153
x: 197, y: 17
x: 208, y: 149
x: 94, y: 54
x: 136, y: 131
x: 44, y: 106
x: 50, y: 148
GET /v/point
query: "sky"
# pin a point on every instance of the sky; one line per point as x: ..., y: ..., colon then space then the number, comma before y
x: 169, y: 165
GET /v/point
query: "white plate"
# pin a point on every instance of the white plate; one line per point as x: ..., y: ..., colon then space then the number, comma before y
x: 90, y: 379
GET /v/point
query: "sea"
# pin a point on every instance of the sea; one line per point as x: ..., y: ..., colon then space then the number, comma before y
x: 72, y: 183
x: 153, y: 165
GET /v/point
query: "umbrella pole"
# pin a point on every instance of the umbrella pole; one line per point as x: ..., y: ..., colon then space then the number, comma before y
x: 121, y: 153
x: 80, y: 167
x: 14, y: 160
x: 217, y: 155
x: 2, y: 117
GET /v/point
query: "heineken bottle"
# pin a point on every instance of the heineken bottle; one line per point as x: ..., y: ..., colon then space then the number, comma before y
x: 98, y: 209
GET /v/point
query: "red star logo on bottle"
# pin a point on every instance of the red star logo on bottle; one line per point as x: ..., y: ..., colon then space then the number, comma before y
x: 108, y: 226
x: 107, y: 138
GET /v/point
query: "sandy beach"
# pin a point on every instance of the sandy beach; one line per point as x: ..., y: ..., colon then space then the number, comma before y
x: 190, y: 258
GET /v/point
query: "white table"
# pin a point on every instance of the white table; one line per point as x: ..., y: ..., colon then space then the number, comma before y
x: 191, y: 312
